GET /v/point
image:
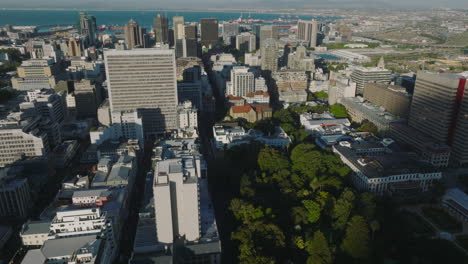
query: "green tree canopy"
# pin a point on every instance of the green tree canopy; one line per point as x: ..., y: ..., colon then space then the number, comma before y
x: 342, y: 210
x: 338, y: 111
x: 368, y: 127
x: 356, y: 241
x: 272, y: 160
x: 313, y: 210
x: 245, y: 212
x: 319, y: 252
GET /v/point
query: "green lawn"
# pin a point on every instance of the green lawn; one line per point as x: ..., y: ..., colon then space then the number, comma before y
x: 442, y: 219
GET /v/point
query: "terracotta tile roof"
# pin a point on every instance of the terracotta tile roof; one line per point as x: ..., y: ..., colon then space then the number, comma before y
x: 259, y: 108
x: 232, y: 98
x: 253, y: 94
x: 241, y: 109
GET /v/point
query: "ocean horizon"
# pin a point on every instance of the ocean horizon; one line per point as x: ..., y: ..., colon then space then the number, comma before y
x: 144, y: 18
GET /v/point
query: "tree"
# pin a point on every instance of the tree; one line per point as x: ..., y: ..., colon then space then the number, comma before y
x: 356, y: 241
x: 313, y: 210
x: 306, y: 160
x: 367, y: 206
x: 368, y: 127
x: 245, y: 212
x: 246, y: 189
x: 299, y: 215
x: 338, y: 111
x: 319, y: 252
x: 272, y: 160
x: 342, y: 210
x: 266, y: 126
x: 257, y: 237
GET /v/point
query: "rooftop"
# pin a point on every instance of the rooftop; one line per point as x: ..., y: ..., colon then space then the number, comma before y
x: 36, y: 227
x: 68, y: 246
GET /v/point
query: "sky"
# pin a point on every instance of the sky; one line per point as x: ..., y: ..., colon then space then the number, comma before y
x: 238, y: 4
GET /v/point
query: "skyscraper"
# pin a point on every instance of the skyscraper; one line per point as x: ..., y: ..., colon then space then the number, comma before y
x: 178, y: 24
x: 161, y: 28
x: 134, y: 35
x: 242, y: 81
x: 268, y: 32
x: 144, y: 80
x: 307, y: 31
x: 88, y: 28
x: 230, y: 31
x: 363, y: 75
x: 209, y: 31
x: 246, y: 42
x: 440, y: 109
x: 269, y: 52
x: 191, y: 31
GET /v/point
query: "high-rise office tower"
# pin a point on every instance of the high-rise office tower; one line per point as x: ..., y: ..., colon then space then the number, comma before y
x: 144, y: 80
x: 242, y: 81
x: 161, y: 28
x: 269, y: 52
x: 176, y: 199
x: 268, y: 32
x: 88, y: 28
x: 191, y: 31
x: 209, y: 31
x: 178, y: 24
x: 440, y: 109
x: 363, y: 75
x: 307, y: 31
x: 87, y: 98
x: 230, y: 31
x: 134, y: 35
x: 171, y: 37
x: 187, y: 48
x: 246, y: 42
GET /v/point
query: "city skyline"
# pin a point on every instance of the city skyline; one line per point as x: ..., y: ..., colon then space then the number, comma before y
x: 228, y: 5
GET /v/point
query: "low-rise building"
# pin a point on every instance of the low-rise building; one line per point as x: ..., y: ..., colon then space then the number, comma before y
x: 316, y: 124
x: 251, y: 112
x: 393, y: 98
x: 35, y: 233
x: 359, y: 110
x: 293, y: 96
x: 436, y: 153
x: 456, y: 202
x: 258, y: 97
x: 382, y: 172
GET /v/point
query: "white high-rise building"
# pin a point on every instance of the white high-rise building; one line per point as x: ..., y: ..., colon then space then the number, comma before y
x: 176, y: 199
x: 246, y: 42
x: 144, y: 80
x: 21, y: 139
x: 307, y: 31
x: 242, y: 81
x: 187, y: 115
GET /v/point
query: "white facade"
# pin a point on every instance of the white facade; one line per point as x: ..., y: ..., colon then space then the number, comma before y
x: 176, y: 199
x: 77, y: 222
x: 260, y: 85
x: 242, y: 81
x: 252, y: 60
x: 246, y: 42
x: 144, y: 80
x: 316, y: 123
x: 382, y: 179
x: 16, y: 143
x: 187, y: 116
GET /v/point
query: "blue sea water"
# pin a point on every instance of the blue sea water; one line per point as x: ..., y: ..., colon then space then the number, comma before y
x: 144, y: 18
